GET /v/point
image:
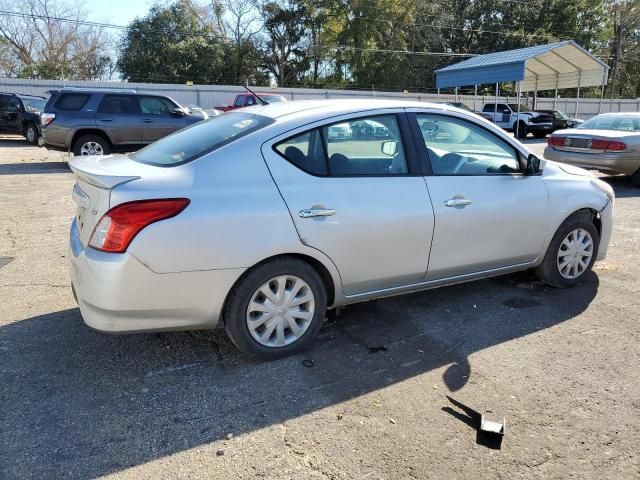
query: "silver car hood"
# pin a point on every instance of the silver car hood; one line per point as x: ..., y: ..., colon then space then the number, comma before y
x: 570, y: 169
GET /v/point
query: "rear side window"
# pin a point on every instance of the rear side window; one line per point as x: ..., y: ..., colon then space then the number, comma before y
x: 201, y: 138
x: 239, y: 100
x: 119, y: 104
x: 72, y: 101
x: 305, y: 151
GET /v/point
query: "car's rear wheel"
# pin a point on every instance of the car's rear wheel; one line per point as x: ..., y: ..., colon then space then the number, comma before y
x: 520, y: 130
x: 91, y: 145
x: 276, y: 309
x: 31, y: 134
x: 571, y: 253
x: 540, y: 134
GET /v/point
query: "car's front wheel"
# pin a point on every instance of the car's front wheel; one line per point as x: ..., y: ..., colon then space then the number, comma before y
x: 571, y: 253
x: 276, y: 309
x: 91, y: 145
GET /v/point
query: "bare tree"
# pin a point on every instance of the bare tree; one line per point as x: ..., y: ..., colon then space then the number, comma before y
x: 50, y: 39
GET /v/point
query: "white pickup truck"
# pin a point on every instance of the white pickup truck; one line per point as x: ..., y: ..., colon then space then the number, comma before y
x: 527, y: 121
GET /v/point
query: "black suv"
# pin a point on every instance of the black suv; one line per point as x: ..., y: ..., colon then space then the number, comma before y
x: 99, y: 121
x: 21, y: 114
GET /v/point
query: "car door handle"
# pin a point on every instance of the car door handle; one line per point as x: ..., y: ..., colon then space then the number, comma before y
x: 147, y: 120
x: 457, y: 202
x: 316, y: 212
x: 106, y: 119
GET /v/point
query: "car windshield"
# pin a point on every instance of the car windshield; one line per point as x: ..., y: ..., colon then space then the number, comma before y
x: 273, y: 98
x: 560, y: 115
x: 199, y: 139
x: 523, y: 108
x: 34, y: 104
x: 628, y: 123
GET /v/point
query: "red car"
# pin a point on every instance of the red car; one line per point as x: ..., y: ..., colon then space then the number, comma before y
x: 248, y: 99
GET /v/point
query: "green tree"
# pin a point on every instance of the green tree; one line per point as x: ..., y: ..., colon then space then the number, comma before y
x: 172, y: 44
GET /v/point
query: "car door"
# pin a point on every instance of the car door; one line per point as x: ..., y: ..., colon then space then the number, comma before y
x: 158, y: 119
x: 119, y: 116
x: 363, y: 202
x: 488, y: 213
x: 11, y: 121
x: 4, y: 105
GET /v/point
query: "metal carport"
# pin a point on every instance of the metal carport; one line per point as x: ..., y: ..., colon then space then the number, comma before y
x: 543, y: 67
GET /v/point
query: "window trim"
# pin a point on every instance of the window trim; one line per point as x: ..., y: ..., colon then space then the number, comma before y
x: 410, y: 154
x: 424, y: 152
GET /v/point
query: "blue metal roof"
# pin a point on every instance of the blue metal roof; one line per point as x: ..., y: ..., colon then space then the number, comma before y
x: 516, y: 65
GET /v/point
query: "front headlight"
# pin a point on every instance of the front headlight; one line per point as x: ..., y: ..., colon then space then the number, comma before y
x: 604, y: 188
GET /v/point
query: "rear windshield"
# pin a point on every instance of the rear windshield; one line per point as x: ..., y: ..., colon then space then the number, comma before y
x: 33, y: 105
x: 627, y: 123
x: 199, y: 139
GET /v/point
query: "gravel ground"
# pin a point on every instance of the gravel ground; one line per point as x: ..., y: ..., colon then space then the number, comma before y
x: 560, y: 365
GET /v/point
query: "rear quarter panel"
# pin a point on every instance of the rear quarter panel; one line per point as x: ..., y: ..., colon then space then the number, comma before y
x: 236, y: 217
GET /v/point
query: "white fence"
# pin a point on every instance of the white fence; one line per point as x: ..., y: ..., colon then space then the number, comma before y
x: 208, y: 96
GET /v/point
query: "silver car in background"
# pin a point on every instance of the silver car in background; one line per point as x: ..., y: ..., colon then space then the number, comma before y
x: 255, y: 220
x: 609, y: 142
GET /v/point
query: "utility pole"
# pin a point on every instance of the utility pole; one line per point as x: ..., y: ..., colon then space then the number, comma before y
x: 617, y: 51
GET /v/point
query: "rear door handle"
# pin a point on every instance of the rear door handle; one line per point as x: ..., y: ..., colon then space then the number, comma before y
x: 316, y: 212
x: 457, y: 202
x: 147, y: 120
x: 106, y: 119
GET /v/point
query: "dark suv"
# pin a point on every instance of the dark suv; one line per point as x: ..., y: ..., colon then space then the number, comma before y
x: 21, y: 114
x: 97, y: 122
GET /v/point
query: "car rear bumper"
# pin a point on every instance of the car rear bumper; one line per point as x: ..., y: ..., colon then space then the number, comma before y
x: 116, y: 293
x: 540, y: 127
x: 606, y: 162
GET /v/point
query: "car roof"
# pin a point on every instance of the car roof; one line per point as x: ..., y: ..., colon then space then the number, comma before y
x: 21, y: 95
x: 336, y: 107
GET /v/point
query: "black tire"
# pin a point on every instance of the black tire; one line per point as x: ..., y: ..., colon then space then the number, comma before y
x: 31, y: 133
x: 540, y: 134
x: 521, y: 129
x: 235, y: 312
x: 104, y: 144
x: 548, y: 270
x: 635, y: 178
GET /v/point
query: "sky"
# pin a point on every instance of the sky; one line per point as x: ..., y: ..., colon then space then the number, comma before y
x: 119, y: 12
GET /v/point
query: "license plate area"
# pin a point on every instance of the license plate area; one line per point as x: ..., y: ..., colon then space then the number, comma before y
x: 577, y: 142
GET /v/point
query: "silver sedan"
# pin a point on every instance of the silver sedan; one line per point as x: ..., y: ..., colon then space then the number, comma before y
x: 609, y: 142
x: 255, y: 220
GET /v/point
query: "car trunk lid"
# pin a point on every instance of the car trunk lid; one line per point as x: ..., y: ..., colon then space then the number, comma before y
x: 582, y: 140
x: 96, y: 177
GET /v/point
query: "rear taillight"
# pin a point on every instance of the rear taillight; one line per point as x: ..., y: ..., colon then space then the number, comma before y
x: 47, y: 118
x: 119, y: 226
x: 608, y: 145
x: 553, y: 141
x: 616, y: 146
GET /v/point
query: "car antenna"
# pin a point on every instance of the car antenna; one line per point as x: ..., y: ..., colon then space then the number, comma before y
x: 261, y: 100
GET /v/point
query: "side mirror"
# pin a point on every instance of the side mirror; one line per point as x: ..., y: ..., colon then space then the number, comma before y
x: 389, y: 147
x: 178, y: 112
x: 533, y: 165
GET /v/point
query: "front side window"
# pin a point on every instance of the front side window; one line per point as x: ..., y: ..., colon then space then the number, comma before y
x: 250, y: 101
x: 119, y: 104
x: 72, y: 101
x: 200, y: 138
x: 156, y: 106
x: 239, y: 101
x: 458, y: 147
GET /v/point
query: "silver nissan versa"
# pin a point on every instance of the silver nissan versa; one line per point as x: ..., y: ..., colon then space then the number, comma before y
x: 261, y: 220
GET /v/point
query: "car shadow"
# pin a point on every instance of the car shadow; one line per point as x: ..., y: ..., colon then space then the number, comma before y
x: 36, y: 168
x: 78, y: 403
